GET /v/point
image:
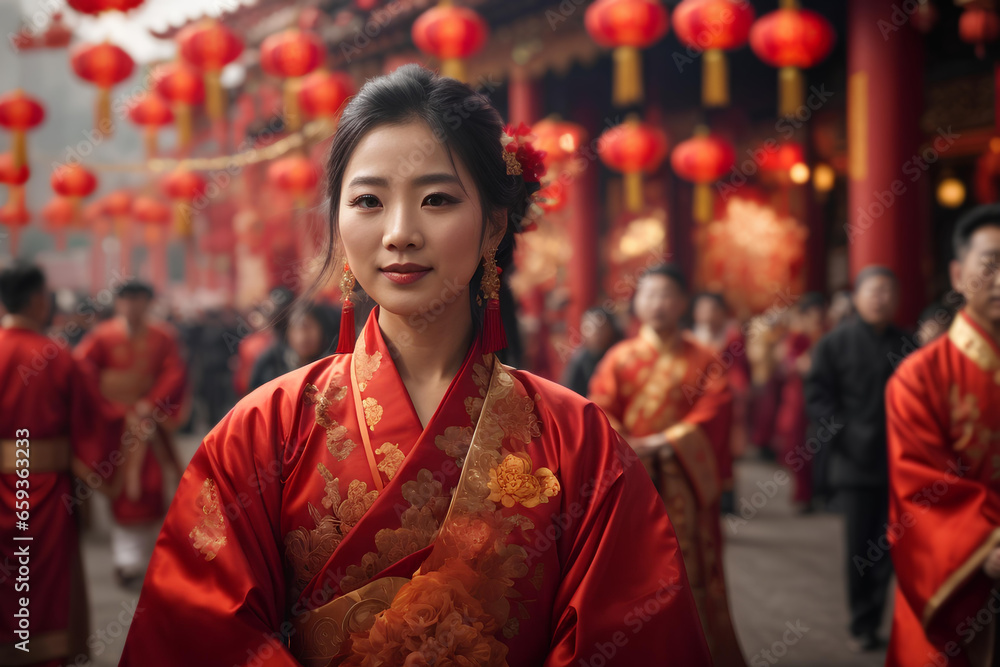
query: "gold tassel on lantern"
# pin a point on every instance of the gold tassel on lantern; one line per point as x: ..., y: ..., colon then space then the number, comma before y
x: 293, y: 118
x: 703, y: 202
x: 215, y: 101
x: 715, y: 79
x: 453, y: 68
x: 182, y: 220
x: 632, y: 182
x: 20, y: 148
x: 182, y: 114
x: 627, y: 77
x: 104, y: 125
x: 791, y: 92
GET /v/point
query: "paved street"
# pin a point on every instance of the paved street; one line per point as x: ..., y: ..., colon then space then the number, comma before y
x: 783, y: 571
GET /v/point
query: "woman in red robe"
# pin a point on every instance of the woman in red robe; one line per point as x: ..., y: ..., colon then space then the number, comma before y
x: 410, y: 500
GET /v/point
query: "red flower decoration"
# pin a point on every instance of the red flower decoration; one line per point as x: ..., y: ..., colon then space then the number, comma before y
x: 515, y: 140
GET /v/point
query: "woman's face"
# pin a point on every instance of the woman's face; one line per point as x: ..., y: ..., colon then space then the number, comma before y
x: 410, y: 222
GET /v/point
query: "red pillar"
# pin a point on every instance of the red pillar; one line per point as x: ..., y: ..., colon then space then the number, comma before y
x: 887, y: 216
x: 522, y: 97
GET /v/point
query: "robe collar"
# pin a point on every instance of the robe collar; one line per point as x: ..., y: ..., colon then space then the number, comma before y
x: 974, y: 343
x: 663, y: 346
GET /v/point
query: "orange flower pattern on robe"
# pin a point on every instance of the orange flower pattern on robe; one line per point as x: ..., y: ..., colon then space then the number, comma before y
x: 513, y: 482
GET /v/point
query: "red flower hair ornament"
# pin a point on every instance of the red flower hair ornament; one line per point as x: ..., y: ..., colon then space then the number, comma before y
x: 524, y: 160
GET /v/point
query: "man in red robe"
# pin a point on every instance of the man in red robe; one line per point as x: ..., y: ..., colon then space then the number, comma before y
x: 51, y: 427
x: 944, y: 467
x: 142, y: 375
x: 668, y: 397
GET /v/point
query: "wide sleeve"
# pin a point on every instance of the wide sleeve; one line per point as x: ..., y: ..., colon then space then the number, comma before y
x: 604, y: 390
x: 214, y: 593
x: 941, y: 526
x: 624, y: 594
x: 701, y: 439
x: 170, y: 385
x: 821, y: 390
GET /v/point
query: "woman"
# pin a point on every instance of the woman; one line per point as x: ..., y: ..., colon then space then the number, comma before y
x: 311, y: 334
x: 411, y: 500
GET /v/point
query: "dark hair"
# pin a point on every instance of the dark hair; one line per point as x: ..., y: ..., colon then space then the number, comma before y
x: 135, y: 288
x: 671, y: 271
x: 607, y: 317
x: 327, y: 317
x: 967, y: 225
x: 874, y: 271
x: 811, y: 300
x: 17, y: 285
x: 715, y: 297
x: 462, y: 120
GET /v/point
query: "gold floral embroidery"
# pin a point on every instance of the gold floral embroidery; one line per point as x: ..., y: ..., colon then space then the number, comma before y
x: 455, y: 441
x: 308, y: 550
x: 365, y: 365
x: 513, y: 482
x: 337, y: 442
x: 209, y: 536
x: 393, y: 459
x: 373, y: 412
x: 418, y: 526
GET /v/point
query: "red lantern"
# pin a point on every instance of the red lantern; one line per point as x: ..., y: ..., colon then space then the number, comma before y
x: 152, y: 213
x: 72, y: 180
x: 14, y: 213
x: 323, y: 94
x: 296, y: 175
x: 181, y: 85
x: 151, y: 112
x: 925, y: 17
x: 104, y: 65
x: 11, y: 173
x: 979, y: 26
x: 713, y: 26
x: 291, y: 55
x: 58, y: 35
x: 559, y: 140
x: 782, y: 158
x: 183, y: 187
x: 791, y: 39
x: 60, y: 213
x: 627, y: 26
x: 633, y: 148
x: 450, y: 34
x: 210, y: 46
x: 18, y: 114
x: 95, y: 7
x: 702, y: 160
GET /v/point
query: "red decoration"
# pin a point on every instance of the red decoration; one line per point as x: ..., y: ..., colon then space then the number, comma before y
x: 104, y: 65
x: 627, y: 26
x: 14, y: 213
x: 925, y: 17
x: 791, y: 39
x: 11, y: 173
x: 450, y: 34
x: 18, y: 114
x: 152, y: 112
x: 95, y: 7
x: 713, y: 26
x: 558, y: 140
x: 979, y: 26
x: 290, y: 55
x: 72, y: 180
x: 783, y: 158
x: 58, y: 35
x: 117, y: 204
x: 516, y: 140
x: 323, y: 94
x: 210, y: 46
x: 60, y: 213
x: 181, y: 85
x: 296, y: 175
x: 703, y: 159
x: 183, y: 187
x: 633, y: 148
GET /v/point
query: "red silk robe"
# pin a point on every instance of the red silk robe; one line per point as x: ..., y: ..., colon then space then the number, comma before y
x: 944, y: 502
x: 791, y: 422
x: 46, y: 396
x: 146, y: 367
x: 647, y: 386
x: 514, y: 529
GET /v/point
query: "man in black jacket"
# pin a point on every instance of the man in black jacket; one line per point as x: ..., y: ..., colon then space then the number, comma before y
x: 845, y: 395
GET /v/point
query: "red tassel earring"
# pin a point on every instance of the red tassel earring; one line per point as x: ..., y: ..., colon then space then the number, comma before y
x: 345, y: 342
x: 494, y: 336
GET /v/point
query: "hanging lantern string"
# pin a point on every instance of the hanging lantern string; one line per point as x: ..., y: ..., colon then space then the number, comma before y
x: 311, y: 133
